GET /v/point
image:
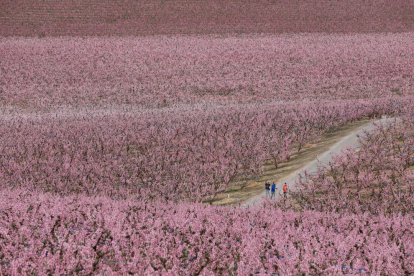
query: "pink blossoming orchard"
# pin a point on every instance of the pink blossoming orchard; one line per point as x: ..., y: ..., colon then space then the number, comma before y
x: 118, y: 131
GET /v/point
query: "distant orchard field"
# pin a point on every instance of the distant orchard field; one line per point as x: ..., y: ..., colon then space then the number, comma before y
x: 149, y: 17
x: 165, y: 71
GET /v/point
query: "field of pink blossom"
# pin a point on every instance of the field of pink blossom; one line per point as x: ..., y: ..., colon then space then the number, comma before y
x: 168, y: 71
x: 149, y: 17
x: 110, y: 144
x: 45, y: 234
x: 98, y: 194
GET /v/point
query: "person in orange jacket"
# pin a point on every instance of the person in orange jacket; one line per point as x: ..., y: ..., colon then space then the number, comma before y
x: 285, y: 190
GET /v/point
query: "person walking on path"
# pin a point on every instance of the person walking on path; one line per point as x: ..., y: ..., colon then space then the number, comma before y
x: 267, y: 187
x: 285, y: 190
x: 273, y: 189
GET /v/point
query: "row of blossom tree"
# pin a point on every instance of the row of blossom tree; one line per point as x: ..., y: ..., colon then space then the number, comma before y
x: 45, y: 234
x: 172, y: 155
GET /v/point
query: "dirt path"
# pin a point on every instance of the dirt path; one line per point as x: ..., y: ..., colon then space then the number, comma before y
x: 251, y: 192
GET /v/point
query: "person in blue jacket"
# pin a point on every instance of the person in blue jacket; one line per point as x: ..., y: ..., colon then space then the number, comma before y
x: 273, y: 190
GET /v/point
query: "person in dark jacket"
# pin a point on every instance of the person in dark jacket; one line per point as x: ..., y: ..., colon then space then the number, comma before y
x: 267, y: 188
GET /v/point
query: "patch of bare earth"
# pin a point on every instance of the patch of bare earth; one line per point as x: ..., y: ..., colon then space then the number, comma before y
x: 244, y: 189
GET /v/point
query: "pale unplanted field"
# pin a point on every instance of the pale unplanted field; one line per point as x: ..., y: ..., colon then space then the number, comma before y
x: 252, y: 189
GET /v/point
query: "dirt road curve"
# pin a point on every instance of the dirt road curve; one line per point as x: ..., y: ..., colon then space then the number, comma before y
x: 347, y: 142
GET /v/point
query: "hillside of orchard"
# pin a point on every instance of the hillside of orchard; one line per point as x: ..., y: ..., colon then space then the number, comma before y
x: 121, y: 122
